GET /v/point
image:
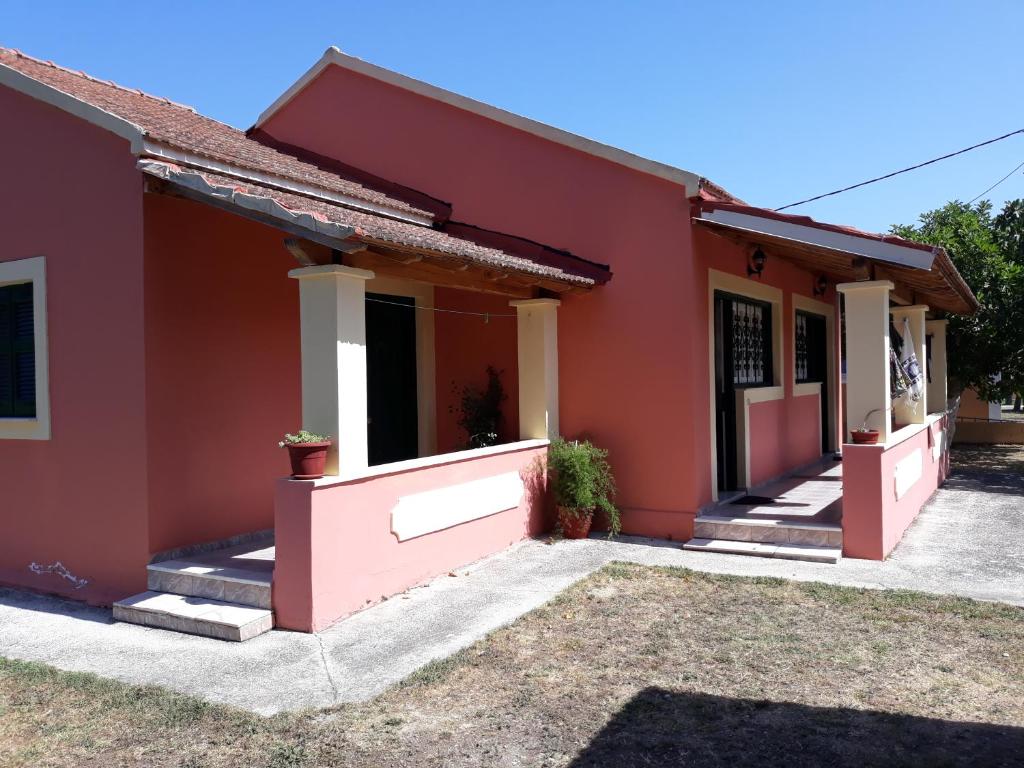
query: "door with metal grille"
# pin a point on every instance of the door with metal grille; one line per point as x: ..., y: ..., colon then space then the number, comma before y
x: 743, y: 358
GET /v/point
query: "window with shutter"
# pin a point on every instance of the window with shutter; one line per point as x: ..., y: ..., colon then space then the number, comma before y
x: 17, y: 352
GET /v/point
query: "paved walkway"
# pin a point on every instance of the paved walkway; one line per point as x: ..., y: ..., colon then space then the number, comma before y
x: 966, y: 542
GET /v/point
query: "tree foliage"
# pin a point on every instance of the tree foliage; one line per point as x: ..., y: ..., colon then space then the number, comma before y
x: 989, y: 252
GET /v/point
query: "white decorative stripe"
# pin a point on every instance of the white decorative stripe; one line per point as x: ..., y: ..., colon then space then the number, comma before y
x: 907, y: 472
x: 429, y: 511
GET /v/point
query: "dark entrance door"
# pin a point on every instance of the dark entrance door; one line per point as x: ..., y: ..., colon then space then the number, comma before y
x: 391, y: 378
x: 812, y: 362
x: 743, y: 358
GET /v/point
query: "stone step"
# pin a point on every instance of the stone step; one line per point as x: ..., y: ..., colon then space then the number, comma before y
x: 768, y: 530
x: 194, y: 615
x: 808, y: 552
x: 242, y: 586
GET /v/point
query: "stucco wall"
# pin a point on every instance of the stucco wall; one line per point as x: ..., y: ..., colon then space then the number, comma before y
x: 337, y: 552
x: 223, y: 370
x: 465, y: 345
x: 629, y: 360
x: 73, y: 196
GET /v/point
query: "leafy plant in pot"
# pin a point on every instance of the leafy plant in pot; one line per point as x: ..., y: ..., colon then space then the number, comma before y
x: 582, y: 482
x: 307, y: 453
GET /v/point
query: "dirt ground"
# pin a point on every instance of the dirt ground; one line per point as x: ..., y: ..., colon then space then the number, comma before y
x: 633, y: 666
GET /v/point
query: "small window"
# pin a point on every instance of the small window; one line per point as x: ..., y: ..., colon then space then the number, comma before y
x: 751, y: 343
x: 810, y: 346
x: 17, y: 352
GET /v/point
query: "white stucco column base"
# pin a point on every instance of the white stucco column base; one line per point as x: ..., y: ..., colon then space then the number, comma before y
x: 537, y: 323
x: 938, y: 389
x: 333, y: 319
x: 906, y: 414
x: 867, y: 355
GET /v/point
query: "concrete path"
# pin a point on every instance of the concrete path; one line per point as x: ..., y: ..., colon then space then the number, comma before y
x: 966, y: 542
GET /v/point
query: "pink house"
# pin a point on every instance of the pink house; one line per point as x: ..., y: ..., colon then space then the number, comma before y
x: 176, y: 294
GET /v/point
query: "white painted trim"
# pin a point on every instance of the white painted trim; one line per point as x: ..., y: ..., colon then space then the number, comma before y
x: 55, y: 97
x: 907, y: 472
x: 741, y: 286
x: 690, y: 181
x: 411, y: 465
x: 828, y: 311
x: 430, y: 511
x: 32, y: 270
x: 823, y: 238
x: 426, y: 385
x: 170, y: 154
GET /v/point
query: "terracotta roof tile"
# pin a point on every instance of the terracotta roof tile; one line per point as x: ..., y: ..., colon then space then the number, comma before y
x: 183, y: 128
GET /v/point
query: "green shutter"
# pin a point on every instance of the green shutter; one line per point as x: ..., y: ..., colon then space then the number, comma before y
x: 17, y: 351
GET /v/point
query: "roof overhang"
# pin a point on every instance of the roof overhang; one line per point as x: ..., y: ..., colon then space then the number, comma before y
x: 843, y: 254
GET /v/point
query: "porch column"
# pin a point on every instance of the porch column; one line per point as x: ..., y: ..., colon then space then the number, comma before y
x: 867, y: 355
x: 906, y: 414
x: 333, y: 321
x: 537, y: 324
x: 938, y: 390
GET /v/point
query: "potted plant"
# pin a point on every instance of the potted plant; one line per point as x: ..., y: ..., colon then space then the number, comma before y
x: 865, y: 436
x: 308, y: 454
x: 583, y: 483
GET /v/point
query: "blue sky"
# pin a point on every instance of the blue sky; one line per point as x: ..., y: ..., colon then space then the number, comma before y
x: 774, y: 101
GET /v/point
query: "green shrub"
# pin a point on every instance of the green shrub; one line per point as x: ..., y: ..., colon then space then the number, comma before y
x: 480, y: 410
x: 582, y: 480
x: 302, y: 437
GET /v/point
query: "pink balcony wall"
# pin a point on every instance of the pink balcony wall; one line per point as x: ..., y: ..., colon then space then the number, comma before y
x: 874, y: 520
x: 336, y: 552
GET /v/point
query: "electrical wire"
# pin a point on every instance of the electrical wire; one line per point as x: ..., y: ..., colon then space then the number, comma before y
x: 998, y: 183
x: 485, y: 315
x: 904, y: 170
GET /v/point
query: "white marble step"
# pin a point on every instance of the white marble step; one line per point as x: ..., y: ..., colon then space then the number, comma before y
x: 194, y: 615
x: 768, y: 530
x: 809, y: 552
x: 217, y: 582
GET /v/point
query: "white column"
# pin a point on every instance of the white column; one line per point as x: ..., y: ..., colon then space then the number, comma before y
x: 938, y: 391
x: 867, y: 354
x: 333, y: 319
x: 905, y: 413
x: 537, y: 324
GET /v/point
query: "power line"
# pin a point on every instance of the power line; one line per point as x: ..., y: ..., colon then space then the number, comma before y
x: 486, y: 315
x: 904, y: 170
x: 998, y: 182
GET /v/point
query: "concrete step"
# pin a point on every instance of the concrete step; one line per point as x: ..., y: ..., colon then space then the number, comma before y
x: 192, y: 578
x: 809, y: 552
x: 768, y: 530
x: 194, y: 615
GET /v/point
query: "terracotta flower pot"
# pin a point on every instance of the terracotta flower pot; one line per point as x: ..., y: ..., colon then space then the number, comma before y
x: 865, y: 436
x: 575, y: 525
x: 308, y: 459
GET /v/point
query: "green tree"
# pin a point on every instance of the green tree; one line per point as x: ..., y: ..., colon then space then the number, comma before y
x: 989, y: 253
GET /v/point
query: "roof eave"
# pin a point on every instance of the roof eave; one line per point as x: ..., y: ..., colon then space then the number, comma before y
x: 690, y: 181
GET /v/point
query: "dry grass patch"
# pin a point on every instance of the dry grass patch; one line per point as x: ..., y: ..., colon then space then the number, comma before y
x: 997, y: 459
x: 632, y: 666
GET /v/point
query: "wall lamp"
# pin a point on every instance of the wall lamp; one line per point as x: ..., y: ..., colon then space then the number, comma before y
x: 820, y: 285
x: 756, y: 263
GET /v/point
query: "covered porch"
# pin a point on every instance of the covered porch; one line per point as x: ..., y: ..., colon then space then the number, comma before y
x: 881, y: 282
x: 403, y: 499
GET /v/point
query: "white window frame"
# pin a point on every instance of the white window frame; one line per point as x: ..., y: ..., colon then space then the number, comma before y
x: 20, y: 271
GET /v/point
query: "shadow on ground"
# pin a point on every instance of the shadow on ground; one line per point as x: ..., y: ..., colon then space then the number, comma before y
x: 662, y: 728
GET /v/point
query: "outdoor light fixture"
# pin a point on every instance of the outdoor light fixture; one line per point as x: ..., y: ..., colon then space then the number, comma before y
x: 820, y: 285
x: 756, y: 265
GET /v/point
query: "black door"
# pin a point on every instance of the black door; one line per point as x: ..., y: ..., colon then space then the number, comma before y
x: 812, y: 362
x: 391, y: 378
x: 743, y: 358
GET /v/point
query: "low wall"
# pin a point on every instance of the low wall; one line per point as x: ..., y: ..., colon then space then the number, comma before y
x: 989, y: 432
x: 342, y: 544
x: 885, y: 486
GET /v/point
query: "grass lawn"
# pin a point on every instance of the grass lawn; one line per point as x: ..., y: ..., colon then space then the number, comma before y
x: 632, y: 666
